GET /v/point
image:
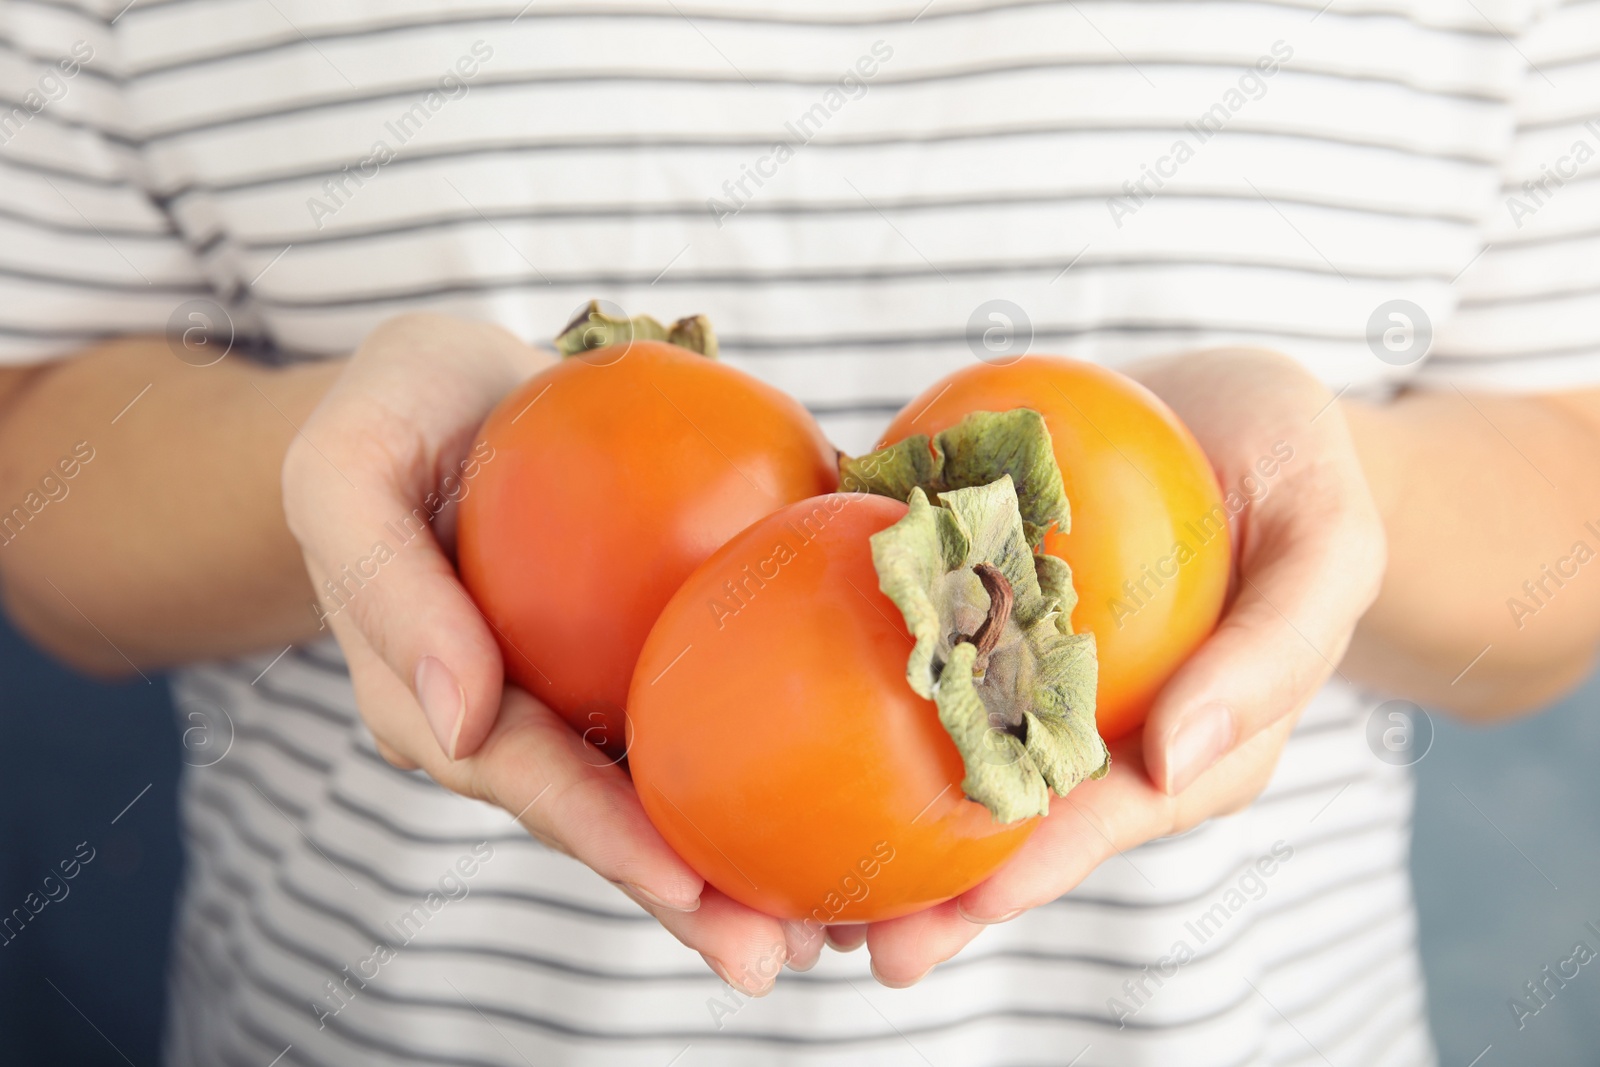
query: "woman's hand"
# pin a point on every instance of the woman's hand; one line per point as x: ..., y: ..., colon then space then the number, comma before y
x: 1309, y: 555
x: 380, y: 463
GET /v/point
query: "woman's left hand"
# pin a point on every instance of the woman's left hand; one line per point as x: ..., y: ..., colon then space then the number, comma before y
x: 1309, y: 559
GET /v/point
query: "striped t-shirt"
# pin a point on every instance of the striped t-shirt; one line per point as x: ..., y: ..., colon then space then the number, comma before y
x: 859, y: 193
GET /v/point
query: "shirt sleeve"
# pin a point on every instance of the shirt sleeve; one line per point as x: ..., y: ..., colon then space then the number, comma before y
x: 1529, y: 311
x: 85, y: 253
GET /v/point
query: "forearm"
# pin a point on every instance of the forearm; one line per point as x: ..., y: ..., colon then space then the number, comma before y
x: 169, y: 544
x: 1485, y: 499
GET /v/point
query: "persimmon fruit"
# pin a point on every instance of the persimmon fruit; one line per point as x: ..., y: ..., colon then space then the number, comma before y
x: 618, y: 471
x: 857, y: 708
x: 1149, y: 543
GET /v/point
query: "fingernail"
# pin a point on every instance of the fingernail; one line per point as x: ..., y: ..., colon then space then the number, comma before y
x: 643, y: 896
x: 443, y: 701
x: 722, y: 971
x: 838, y: 944
x: 760, y: 989
x: 1197, y: 744
x: 809, y: 937
x: 897, y: 985
x: 986, y: 920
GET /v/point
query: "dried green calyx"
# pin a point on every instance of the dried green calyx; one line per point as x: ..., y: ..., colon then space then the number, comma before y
x: 995, y: 651
x: 977, y: 450
x: 595, y: 328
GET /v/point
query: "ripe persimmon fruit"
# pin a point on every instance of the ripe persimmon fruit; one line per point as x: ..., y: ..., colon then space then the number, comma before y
x: 618, y: 471
x: 858, y: 708
x: 1149, y: 542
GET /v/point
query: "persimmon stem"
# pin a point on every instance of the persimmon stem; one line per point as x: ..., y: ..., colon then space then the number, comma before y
x: 1000, y: 599
x: 595, y: 328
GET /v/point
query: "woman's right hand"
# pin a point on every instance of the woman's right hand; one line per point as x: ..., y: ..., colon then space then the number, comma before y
x: 392, y: 437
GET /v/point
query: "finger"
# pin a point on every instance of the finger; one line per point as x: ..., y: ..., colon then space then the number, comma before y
x: 847, y: 937
x: 378, y: 572
x: 388, y: 706
x: 805, y: 941
x: 1303, y: 584
x: 573, y: 797
x: 904, y: 950
x: 395, y: 758
x: 1083, y: 830
x: 566, y: 791
x: 1102, y: 819
x: 1235, y: 782
x: 374, y: 468
x: 563, y: 791
x: 745, y: 948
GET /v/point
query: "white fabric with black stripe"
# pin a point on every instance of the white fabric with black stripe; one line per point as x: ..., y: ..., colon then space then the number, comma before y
x: 842, y: 185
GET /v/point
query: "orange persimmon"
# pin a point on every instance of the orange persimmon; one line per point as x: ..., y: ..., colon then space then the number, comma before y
x: 618, y: 471
x: 1149, y: 544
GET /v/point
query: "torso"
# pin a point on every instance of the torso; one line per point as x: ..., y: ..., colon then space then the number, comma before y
x: 676, y: 161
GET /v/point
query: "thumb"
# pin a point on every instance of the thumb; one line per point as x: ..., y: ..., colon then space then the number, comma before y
x: 1297, y: 605
x: 378, y: 570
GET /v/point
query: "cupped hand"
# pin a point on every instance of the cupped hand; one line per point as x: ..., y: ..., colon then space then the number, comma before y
x: 369, y: 489
x: 1309, y: 557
